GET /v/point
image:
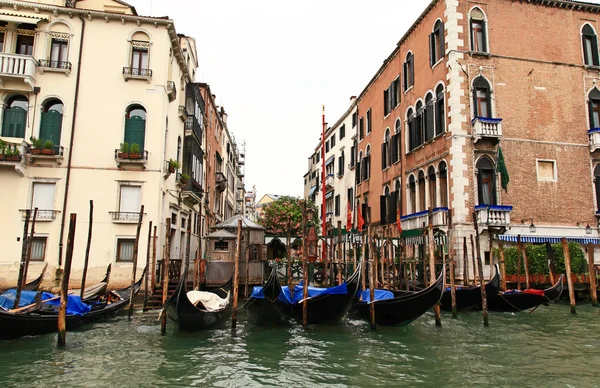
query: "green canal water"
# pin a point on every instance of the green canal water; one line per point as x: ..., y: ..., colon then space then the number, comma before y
x: 549, y: 348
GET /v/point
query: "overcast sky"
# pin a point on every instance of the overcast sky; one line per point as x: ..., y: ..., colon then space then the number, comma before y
x: 273, y: 63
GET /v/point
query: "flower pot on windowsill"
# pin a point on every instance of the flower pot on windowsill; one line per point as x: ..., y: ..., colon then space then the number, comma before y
x: 16, y: 158
x: 171, y: 170
x: 47, y: 151
x: 123, y: 155
x: 135, y: 156
x: 36, y: 151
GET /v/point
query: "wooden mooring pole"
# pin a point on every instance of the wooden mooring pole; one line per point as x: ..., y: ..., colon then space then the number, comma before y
x: 431, y: 242
x: 372, y: 266
x: 567, y: 254
x: 64, y: 289
x: 87, y: 249
x: 593, y: 279
x: 247, y: 265
x: 502, y: 266
x: 465, y: 262
x: 153, y: 273
x: 165, y: 279
x: 136, y: 246
x: 475, y: 263
x: 23, y: 258
x: 525, y: 265
x: 236, y: 273
x: 363, y: 261
x: 550, y: 255
x: 146, y: 280
x: 519, y: 257
x: 339, y: 253
x: 29, y: 247
x: 452, y: 265
x: 481, y: 278
x: 304, y: 268
x: 289, y: 265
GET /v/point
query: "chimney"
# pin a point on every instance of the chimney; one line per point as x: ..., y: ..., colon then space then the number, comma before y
x: 352, y: 98
x: 214, y: 96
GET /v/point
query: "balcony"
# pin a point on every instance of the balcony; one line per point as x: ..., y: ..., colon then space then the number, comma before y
x: 137, y: 73
x: 192, y: 126
x: 11, y: 156
x: 239, y: 197
x: 54, y: 66
x: 42, y: 215
x: 125, y: 159
x: 18, y: 67
x: 220, y: 181
x: 493, y: 216
x: 439, y: 218
x: 125, y: 217
x: 486, y: 128
x: 240, y: 172
x: 46, y: 155
x: 192, y: 192
x: 594, y: 135
x: 171, y: 91
x: 329, y: 181
x: 182, y: 113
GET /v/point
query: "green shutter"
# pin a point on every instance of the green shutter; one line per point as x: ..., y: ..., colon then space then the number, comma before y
x: 13, y: 123
x: 51, y: 126
x: 135, y: 129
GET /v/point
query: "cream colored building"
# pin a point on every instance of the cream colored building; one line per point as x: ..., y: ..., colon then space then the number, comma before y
x: 90, y: 75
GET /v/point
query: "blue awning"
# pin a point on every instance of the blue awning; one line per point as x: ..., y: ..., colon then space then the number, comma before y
x: 550, y: 239
x: 312, y: 190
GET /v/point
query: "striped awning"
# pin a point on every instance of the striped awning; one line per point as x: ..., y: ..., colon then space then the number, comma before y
x: 329, y: 195
x: 330, y: 160
x: 312, y: 190
x: 418, y: 240
x: 550, y: 239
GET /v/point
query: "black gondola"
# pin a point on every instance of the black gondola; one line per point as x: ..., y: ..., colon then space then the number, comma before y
x: 470, y: 297
x: 95, y: 290
x: 14, y: 325
x: 328, y: 307
x: 188, y: 316
x: 265, y: 308
x: 514, y: 301
x: 34, y: 285
x: 403, y: 309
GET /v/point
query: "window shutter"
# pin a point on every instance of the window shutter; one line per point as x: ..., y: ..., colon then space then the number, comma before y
x: 405, y: 75
x: 368, y: 167
x: 412, y: 70
x: 484, y: 32
x: 130, y: 199
x: 488, y: 96
x: 432, y: 49
x: 382, y: 209
x: 442, y: 41
x: 429, y: 121
x: 591, y: 115
x: 595, y: 50
x: 383, y: 161
x: 43, y: 196
x: 358, y: 172
x: 392, y: 208
x: 394, y: 151
x: 475, y: 109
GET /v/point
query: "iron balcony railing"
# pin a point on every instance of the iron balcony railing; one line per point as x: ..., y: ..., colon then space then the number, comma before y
x: 137, y: 72
x: 125, y: 216
x: 42, y: 214
x: 50, y: 64
x: 140, y: 157
x: 56, y: 150
x: 191, y: 124
x: 171, y: 90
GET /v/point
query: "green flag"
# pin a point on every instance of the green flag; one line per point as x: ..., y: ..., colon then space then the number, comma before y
x: 501, y: 167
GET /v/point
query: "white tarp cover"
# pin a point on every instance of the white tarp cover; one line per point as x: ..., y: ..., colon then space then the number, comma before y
x: 210, y: 301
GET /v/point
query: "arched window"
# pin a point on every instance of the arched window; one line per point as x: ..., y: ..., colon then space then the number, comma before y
x: 590, y: 46
x: 421, y: 183
x: 485, y: 182
x: 440, y: 117
x: 429, y: 117
x: 597, y: 185
x: 15, y: 117
x: 412, y: 194
x: 478, y: 31
x: 443, y: 185
x: 397, y: 185
x: 58, y: 44
x: 397, y: 127
x: 482, y: 101
x: 419, y: 125
x: 140, y: 55
x: 135, y: 126
x: 385, y: 150
x: 386, y: 190
x: 411, y: 130
x: 594, y: 107
x: 179, y: 149
x: 366, y: 167
x: 51, y: 121
x: 432, y: 187
x: 436, y: 43
x: 409, y: 71
x: 359, y: 168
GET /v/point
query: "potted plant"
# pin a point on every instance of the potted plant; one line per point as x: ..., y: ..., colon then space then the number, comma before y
x: 2, y: 149
x: 48, y: 148
x: 37, y: 144
x: 134, y: 151
x: 124, y: 151
x: 12, y: 155
x: 173, y: 165
x: 184, y: 179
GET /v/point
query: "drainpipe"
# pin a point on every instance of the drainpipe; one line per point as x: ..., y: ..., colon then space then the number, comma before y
x: 68, y: 179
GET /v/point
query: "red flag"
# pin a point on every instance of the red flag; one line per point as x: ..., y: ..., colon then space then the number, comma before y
x: 398, y: 222
x: 360, y: 219
x: 349, y: 219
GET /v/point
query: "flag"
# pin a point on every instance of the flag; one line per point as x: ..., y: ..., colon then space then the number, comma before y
x: 360, y: 219
x: 349, y: 218
x: 501, y: 168
x: 398, y: 222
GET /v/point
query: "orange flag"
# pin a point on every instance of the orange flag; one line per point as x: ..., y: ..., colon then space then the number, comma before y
x: 349, y: 219
x: 398, y: 222
x: 360, y: 219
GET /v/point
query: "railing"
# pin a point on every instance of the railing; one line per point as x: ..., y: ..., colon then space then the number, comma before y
x: 192, y: 125
x: 192, y: 189
x: 182, y: 112
x: 129, y: 157
x: 594, y: 135
x: 125, y: 216
x: 486, y: 128
x: 42, y: 215
x: 493, y: 215
x: 417, y: 220
x: 174, y: 269
x: 129, y: 72
x: 329, y: 181
x: 240, y: 173
x: 11, y: 153
x: 171, y: 90
x: 239, y: 197
x: 18, y: 66
x: 50, y: 64
x: 56, y: 151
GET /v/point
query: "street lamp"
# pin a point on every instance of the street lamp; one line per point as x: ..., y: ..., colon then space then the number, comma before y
x: 532, y: 228
x: 588, y: 228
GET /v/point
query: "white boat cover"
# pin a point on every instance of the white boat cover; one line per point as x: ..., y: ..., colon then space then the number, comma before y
x: 210, y: 301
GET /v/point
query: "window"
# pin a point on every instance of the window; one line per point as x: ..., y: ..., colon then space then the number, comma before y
x: 342, y: 131
x: 51, y: 121
x: 432, y: 187
x: 412, y: 194
x: 409, y: 71
x: 485, y: 182
x: 2, y: 35
x: 24, y: 44
x: 482, y: 101
x: 395, y: 92
x: 358, y: 173
x: 429, y: 118
x: 327, y: 146
x: 546, y: 170
x: 395, y: 145
x: 38, y: 248
x: 332, y: 140
x: 366, y: 164
x: 443, y: 185
x: 594, y: 108
x: 361, y: 128
x: 385, y: 150
x: 354, y: 119
x: 125, y: 249
x: 440, y: 118
x: 15, y: 117
x: 129, y: 202
x: 387, y: 104
x: 353, y: 154
x: 341, y: 165
x: 351, y: 198
x: 369, y: 121
x: 59, y: 53
x: 421, y: 183
x: 337, y: 205
x: 597, y: 185
x: 411, y: 129
x: 436, y: 43
x: 135, y: 126
x: 590, y: 46
x: 478, y: 31
x: 43, y: 199
x: 139, y: 58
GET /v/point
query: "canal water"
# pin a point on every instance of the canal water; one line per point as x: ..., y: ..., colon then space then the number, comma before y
x: 549, y: 348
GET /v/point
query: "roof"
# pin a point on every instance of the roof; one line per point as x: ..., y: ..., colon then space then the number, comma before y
x: 232, y: 223
x: 221, y: 234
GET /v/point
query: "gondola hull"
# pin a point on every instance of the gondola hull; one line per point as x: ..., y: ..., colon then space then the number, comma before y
x: 267, y: 309
x: 515, y: 302
x: 404, y: 309
x: 470, y: 298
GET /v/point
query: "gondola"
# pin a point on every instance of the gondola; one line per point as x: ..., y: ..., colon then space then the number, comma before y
x: 95, y: 290
x: 401, y: 310
x: 268, y: 305
x: 327, y: 305
x: 514, y: 301
x: 470, y: 297
x: 45, y: 320
x: 203, y: 314
x: 34, y: 285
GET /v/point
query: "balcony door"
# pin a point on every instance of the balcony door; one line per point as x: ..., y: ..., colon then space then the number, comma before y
x: 43, y: 199
x: 130, y: 199
x: 25, y: 45
x: 485, y: 182
x: 15, y: 117
x: 51, y: 123
x: 135, y: 126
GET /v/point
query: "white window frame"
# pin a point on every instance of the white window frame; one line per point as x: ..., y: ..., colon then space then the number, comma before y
x: 555, y: 170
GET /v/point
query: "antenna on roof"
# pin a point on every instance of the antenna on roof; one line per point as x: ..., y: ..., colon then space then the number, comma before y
x: 150, y: 8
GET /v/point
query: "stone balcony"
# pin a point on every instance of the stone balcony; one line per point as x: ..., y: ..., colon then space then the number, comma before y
x: 493, y: 215
x: 18, y: 67
x: 329, y: 181
x: 487, y: 128
x: 417, y: 220
x: 594, y: 135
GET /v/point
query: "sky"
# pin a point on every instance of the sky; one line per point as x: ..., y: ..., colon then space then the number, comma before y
x: 273, y: 63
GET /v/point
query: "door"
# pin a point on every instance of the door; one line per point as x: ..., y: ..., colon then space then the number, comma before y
x: 13, y: 124
x: 135, y: 129
x: 51, y: 126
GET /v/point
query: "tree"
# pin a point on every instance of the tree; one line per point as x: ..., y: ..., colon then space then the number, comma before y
x: 285, y: 215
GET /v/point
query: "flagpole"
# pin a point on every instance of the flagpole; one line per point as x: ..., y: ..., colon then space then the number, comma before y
x: 323, y: 189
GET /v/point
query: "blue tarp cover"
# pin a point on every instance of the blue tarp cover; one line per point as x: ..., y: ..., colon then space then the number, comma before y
x: 379, y: 295
x: 74, y: 306
x: 284, y: 295
x: 315, y: 291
